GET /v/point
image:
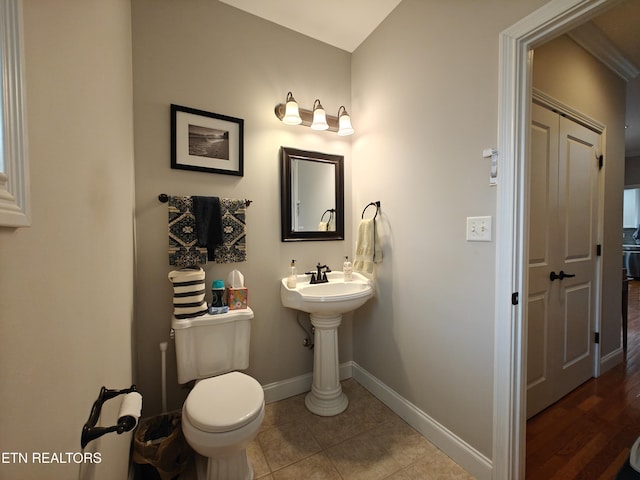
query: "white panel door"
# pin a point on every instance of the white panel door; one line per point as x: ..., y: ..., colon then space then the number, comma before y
x: 562, y: 257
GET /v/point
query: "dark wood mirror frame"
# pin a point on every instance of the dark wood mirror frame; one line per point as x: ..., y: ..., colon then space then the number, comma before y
x: 288, y: 232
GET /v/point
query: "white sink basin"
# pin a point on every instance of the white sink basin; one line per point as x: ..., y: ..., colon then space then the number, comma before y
x: 331, y: 298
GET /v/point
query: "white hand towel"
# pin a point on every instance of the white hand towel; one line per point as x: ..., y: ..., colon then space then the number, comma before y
x: 368, y: 249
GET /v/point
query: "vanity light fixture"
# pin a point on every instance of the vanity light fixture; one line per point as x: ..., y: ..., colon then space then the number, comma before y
x: 317, y: 118
x: 291, y: 113
x: 344, y: 122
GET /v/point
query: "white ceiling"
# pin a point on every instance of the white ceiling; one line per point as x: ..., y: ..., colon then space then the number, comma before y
x: 347, y: 23
x: 341, y: 23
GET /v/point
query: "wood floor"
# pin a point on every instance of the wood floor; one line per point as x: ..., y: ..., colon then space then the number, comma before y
x: 589, y: 433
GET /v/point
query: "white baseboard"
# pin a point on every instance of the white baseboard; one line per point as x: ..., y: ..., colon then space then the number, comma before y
x: 461, y: 452
x: 611, y: 360
x: 276, y: 391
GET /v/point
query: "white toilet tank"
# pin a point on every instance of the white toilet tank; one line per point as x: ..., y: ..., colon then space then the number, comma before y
x: 211, y: 345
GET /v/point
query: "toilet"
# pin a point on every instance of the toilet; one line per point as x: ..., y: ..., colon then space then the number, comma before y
x: 225, y: 408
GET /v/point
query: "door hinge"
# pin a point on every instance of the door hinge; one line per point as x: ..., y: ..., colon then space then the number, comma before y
x: 596, y: 337
x: 514, y: 298
x: 600, y: 162
x: 598, y: 250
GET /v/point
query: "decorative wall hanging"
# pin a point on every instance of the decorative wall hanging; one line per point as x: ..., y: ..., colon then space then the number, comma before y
x: 206, y: 142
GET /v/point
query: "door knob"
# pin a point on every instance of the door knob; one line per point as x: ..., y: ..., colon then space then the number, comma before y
x: 559, y: 276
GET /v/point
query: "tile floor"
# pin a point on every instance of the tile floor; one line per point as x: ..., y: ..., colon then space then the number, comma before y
x: 367, y: 441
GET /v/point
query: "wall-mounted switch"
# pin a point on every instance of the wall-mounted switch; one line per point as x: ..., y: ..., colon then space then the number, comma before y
x: 479, y: 229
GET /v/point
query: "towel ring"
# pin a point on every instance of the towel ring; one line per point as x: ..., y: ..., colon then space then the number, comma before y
x: 375, y: 204
x: 330, y: 210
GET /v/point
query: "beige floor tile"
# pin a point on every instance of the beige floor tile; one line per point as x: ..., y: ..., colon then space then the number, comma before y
x: 257, y: 459
x: 316, y: 467
x: 362, y: 458
x: 417, y: 471
x: 402, y: 442
x: 366, y: 442
x: 427, y: 470
x: 288, y: 444
x: 369, y: 411
x: 330, y: 431
x: 363, y: 413
x: 447, y: 468
x: 351, y: 386
x: 283, y: 412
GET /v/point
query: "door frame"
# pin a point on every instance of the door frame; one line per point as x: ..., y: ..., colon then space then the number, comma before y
x: 514, y: 114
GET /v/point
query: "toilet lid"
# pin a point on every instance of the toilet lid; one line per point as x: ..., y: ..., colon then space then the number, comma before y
x: 224, y: 403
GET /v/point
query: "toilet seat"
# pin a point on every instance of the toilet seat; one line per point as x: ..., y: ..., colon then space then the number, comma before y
x: 224, y: 403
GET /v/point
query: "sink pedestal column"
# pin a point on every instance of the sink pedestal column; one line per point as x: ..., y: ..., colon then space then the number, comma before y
x: 326, y: 397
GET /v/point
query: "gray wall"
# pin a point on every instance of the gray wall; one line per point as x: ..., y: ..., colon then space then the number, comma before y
x: 66, y: 282
x: 425, y: 94
x: 206, y: 55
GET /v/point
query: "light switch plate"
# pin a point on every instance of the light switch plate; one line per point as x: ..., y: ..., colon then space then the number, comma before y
x: 479, y: 229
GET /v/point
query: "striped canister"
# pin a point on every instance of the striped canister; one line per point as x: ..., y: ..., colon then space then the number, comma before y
x: 188, y: 292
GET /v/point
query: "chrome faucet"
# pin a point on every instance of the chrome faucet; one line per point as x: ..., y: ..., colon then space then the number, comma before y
x: 320, y: 275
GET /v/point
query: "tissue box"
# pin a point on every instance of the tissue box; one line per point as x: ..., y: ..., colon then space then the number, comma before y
x: 237, y: 298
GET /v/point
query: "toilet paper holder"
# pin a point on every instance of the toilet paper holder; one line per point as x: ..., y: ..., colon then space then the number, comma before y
x: 125, y: 423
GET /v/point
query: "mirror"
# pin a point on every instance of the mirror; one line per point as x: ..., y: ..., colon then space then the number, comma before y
x: 312, y: 198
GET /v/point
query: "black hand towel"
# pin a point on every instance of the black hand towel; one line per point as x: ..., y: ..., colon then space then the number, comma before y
x: 208, y: 223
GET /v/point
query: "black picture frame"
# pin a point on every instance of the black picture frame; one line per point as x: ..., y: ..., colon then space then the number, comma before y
x: 206, y: 142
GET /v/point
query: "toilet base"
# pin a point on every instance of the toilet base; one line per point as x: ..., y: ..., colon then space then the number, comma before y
x: 223, y: 456
x: 233, y: 467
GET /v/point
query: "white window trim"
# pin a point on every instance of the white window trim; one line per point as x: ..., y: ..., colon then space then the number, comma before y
x: 14, y: 181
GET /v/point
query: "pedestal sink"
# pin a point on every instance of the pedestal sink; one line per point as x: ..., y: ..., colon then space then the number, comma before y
x: 326, y: 303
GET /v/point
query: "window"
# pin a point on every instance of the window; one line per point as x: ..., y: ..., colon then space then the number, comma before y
x: 631, y: 217
x: 14, y: 168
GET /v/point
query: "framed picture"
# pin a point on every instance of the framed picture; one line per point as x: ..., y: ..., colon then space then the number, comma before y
x: 206, y: 142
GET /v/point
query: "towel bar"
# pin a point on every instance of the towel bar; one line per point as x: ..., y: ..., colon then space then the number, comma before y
x: 164, y: 198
